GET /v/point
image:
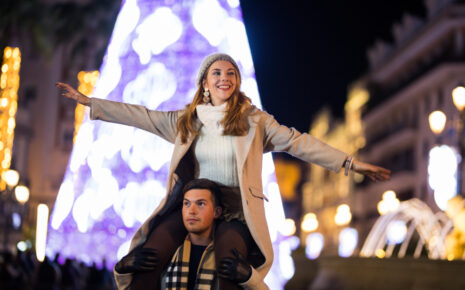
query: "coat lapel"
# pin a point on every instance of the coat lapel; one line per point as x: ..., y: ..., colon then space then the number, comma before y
x: 242, y: 144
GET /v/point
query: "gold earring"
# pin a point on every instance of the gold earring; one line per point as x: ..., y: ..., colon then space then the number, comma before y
x: 206, y: 96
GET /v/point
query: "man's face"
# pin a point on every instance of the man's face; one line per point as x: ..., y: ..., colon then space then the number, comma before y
x: 198, y: 211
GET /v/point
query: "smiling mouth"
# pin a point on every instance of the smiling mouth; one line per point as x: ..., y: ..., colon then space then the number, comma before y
x: 224, y: 87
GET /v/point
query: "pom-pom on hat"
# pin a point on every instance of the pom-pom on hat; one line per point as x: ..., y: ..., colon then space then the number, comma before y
x: 209, y: 60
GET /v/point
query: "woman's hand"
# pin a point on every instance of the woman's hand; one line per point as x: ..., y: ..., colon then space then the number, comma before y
x: 69, y: 92
x: 375, y: 173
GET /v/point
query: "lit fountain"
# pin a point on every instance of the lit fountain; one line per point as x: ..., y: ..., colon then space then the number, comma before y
x: 432, y: 229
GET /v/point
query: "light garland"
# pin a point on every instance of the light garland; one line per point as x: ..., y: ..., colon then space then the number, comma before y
x: 87, y: 81
x: 9, y: 84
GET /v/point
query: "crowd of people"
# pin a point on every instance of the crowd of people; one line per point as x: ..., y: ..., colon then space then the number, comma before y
x: 22, y: 271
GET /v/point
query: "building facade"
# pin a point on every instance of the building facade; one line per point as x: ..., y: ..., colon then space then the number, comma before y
x: 45, y: 120
x: 405, y: 82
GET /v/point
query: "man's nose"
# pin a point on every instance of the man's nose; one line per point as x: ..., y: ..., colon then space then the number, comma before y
x: 193, y: 209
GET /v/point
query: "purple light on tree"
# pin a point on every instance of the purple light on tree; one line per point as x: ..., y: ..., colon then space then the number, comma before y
x: 116, y: 174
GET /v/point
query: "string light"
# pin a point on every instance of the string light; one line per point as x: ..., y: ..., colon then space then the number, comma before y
x: 87, y: 81
x: 9, y: 84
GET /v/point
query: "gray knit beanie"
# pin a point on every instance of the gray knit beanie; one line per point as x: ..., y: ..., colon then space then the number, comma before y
x: 209, y: 60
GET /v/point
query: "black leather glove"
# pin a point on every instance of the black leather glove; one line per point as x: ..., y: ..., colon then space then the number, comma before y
x: 235, y: 269
x: 139, y: 260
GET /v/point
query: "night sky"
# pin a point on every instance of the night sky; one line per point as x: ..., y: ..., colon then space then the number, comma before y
x: 306, y: 55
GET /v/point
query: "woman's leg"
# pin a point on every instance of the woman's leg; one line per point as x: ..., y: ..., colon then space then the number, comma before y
x: 165, y: 238
x: 228, y: 236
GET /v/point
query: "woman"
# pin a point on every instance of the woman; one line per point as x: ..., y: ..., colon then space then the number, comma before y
x: 220, y: 136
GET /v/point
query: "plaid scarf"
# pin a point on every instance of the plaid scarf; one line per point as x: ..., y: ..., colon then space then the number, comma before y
x: 178, y: 270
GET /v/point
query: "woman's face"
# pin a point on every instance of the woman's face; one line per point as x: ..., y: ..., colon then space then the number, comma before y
x: 221, y: 81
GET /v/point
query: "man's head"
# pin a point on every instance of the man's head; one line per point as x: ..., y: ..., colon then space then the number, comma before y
x: 201, y: 206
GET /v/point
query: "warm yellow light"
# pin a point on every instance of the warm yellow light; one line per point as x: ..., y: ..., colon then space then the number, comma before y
x: 309, y: 223
x: 458, y: 96
x: 11, y: 122
x: 288, y: 228
x: 9, y: 84
x: 389, y: 203
x: 380, y: 253
x: 41, y: 231
x: 87, y: 81
x: 343, y: 215
x: 16, y: 52
x: 11, y: 177
x: 454, y: 206
x: 437, y: 121
x: 22, y: 194
x: 8, y: 52
x: 13, y: 109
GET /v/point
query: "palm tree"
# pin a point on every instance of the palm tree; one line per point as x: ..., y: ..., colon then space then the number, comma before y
x: 84, y: 29
x: 19, y: 17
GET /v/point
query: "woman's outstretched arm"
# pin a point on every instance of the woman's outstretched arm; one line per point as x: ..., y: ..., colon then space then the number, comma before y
x: 71, y: 93
x: 310, y: 149
x: 160, y: 123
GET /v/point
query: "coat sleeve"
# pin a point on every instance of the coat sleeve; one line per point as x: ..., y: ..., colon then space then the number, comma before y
x: 160, y: 123
x: 255, y: 282
x: 123, y: 281
x: 301, y: 145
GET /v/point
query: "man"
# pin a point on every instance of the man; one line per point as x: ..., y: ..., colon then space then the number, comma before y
x: 193, y: 264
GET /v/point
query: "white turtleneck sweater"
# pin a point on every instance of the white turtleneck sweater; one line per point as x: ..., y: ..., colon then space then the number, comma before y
x: 215, y: 153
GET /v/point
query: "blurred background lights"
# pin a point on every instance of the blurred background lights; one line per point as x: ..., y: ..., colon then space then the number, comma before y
x: 348, y: 240
x: 41, y: 231
x: 22, y: 246
x: 343, y: 215
x: 16, y: 220
x: 389, y: 203
x: 286, y: 264
x: 442, y: 174
x: 309, y: 223
x: 159, y: 30
x: 9, y: 85
x: 380, y: 253
x: 209, y: 19
x: 288, y: 227
x: 313, y: 245
x: 396, y: 232
x: 437, y: 121
x: 294, y: 242
x: 22, y: 194
x: 11, y: 177
x: 458, y: 97
x: 233, y: 3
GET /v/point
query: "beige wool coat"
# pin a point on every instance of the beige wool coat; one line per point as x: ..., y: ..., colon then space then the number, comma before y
x: 264, y: 135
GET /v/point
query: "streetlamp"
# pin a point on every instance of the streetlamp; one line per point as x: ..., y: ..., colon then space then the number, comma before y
x: 437, y: 123
x: 12, y: 201
x: 343, y: 215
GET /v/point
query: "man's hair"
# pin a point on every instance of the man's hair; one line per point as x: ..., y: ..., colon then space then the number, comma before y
x: 204, y: 183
